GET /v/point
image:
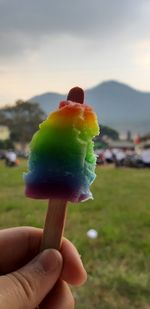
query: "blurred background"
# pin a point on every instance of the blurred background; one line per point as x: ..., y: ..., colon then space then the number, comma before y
x: 46, y: 48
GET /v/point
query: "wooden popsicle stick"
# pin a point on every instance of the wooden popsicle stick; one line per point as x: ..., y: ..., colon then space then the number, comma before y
x: 54, y: 224
x: 56, y: 212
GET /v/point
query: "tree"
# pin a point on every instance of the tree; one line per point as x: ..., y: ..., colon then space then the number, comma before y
x: 107, y: 131
x: 22, y: 119
x: 112, y: 133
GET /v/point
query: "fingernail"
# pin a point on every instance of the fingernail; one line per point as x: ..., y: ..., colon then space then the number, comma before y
x: 50, y: 260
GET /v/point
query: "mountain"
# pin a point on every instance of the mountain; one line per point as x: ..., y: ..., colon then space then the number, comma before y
x: 116, y: 104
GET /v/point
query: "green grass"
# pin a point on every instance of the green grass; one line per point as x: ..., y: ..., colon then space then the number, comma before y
x: 118, y: 261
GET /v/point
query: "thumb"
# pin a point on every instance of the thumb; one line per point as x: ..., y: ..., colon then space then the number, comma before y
x: 28, y: 286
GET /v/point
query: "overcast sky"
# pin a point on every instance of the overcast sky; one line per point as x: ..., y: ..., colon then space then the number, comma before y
x: 51, y: 45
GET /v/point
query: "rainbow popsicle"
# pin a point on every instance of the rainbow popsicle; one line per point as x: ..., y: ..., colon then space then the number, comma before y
x: 62, y: 160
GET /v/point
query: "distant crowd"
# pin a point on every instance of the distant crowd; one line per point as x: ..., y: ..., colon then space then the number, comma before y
x: 124, y: 158
x: 118, y: 157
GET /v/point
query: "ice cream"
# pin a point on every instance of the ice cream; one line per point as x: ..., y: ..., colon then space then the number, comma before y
x: 62, y: 160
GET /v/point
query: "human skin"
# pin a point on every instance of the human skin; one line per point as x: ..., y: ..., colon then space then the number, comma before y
x: 29, y: 279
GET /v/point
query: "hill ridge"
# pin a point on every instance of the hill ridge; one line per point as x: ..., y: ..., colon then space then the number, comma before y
x: 117, y: 105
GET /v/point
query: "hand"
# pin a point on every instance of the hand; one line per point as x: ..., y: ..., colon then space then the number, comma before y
x: 29, y: 279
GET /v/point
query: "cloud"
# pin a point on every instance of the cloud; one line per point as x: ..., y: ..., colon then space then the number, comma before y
x: 24, y: 24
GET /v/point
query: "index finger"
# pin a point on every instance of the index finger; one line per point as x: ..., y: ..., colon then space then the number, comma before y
x: 73, y: 270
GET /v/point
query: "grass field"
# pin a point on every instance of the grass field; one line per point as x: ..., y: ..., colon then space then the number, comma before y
x: 118, y: 261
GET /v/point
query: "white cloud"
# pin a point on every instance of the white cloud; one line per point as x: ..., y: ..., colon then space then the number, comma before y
x: 25, y: 24
x: 52, y: 45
